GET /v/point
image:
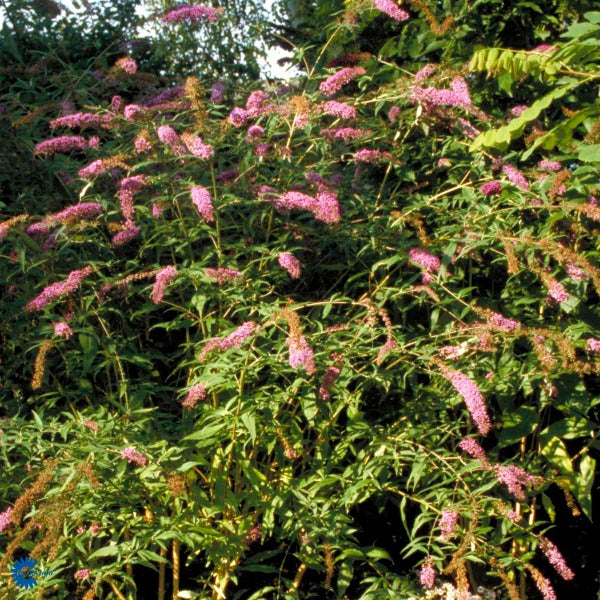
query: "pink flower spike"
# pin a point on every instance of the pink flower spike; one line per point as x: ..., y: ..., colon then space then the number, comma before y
x: 556, y: 559
x: 490, y: 188
x: 473, y: 449
x: 133, y: 456
x: 63, y: 330
x: 391, y: 9
x: 5, y: 521
x: 515, y: 176
x: 193, y: 13
x: 291, y: 263
x: 472, y: 397
x: 593, y: 345
x: 59, y: 289
x: 448, y: 523
x: 339, y: 79
x: 82, y: 574
x: 202, y: 200
x: 196, y: 393
x: 427, y: 574
x: 127, y: 64
x: 163, y: 278
x: 300, y: 354
x: 238, y: 116
x: 222, y: 274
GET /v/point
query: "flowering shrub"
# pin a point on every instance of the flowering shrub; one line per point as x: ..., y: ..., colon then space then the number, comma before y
x: 244, y: 339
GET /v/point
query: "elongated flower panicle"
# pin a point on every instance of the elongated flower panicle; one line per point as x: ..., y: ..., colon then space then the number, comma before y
x: 549, y: 165
x: 233, y: 340
x: 327, y: 207
x: 85, y: 210
x: 593, y: 345
x: 557, y: 292
x: 97, y: 167
x: 515, y: 176
x: 556, y: 559
x: 543, y: 584
x: 59, y: 289
x: 202, y: 200
x: 132, y: 111
x: 335, y: 82
x: 300, y: 354
x: 255, y: 132
x: 133, y: 456
x: 290, y: 263
x: 168, y: 136
x: 126, y: 235
x: 344, y: 133
x: 129, y: 187
x: 472, y: 397
x: 431, y: 97
x: 473, y: 449
x: 390, y: 8
x: 448, y: 523
x: 338, y: 109
x: 163, y: 278
x: 427, y: 261
x: 127, y: 64
x: 223, y: 274
x: 369, y: 155
x: 193, y: 13
x: 217, y: 92
x: 197, y: 392
x: 5, y: 521
x: 64, y: 143
x: 330, y: 376
x: 63, y: 330
x: 81, y: 119
x: 490, y: 188
x: 196, y: 146
x: 256, y: 104
x: 82, y: 574
x: 238, y: 116
x: 427, y: 574
x: 426, y: 72
x: 515, y: 479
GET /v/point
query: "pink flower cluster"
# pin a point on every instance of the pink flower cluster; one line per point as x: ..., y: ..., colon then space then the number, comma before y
x: 394, y: 114
x: 163, y: 278
x: 368, y: 155
x: 427, y: 574
x: 85, y: 210
x: 575, y: 272
x: 490, y: 188
x: 556, y: 559
x: 515, y: 176
x: 329, y: 378
x: 197, y: 392
x: 431, y: 264
x: 300, y: 354
x: 344, y: 133
x: 168, y: 135
x: 126, y: 235
x: 193, y: 13
x: 593, y: 345
x: 63, y: 330
x: 59, y: 289
x: 254, y: 534
x: 325, y: 207
x: 515, y: 479
x: 81, y: 119
x: 339, y: 79
x: 96, y: 167
x: 233, y: 340
x: 255, y: 132
x: 448, y: 523
x: 196, y: 146
x: 291, y: 263
x: 473, y: 449
x: 557, y: 292
x: 202, y: 200
x: 132, y: 111
x: 549, y: 165
x: 5, y: 519
x: 472, y: 397
x: 64, y: 143
x: 517, y: 111
x: 391, y: 9
x: 338, y: 109
x: 127, y: 64
x: 238, y: 116
x: 173, y: 93
x: 90, y: 425
x: 222, y: 274
x: 431, y: 97
x: 500, y: 322
x: 425, y: 72
x: 467, y: 128
x: 82, y: 574
x: 256, y: 104
x: 129, y: 187
x: 133, y: 456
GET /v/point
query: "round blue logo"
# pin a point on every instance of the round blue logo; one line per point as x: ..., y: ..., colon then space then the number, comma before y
x: 22, y: 572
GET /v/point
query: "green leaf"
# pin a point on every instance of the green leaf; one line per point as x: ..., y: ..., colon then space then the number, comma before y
x: 517, y: 424
x: 584, y: 482
x: 592, y: 16
x: 556, y: 453
x: 250, y: 424
x: 590, y: 153
x: 549, y: 507
x: 106, y: 551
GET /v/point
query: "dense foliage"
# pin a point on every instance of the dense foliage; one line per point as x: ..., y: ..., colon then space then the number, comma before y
x: 331, y: 339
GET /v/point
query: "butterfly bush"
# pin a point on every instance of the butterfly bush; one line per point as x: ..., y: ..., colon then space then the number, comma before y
x: 295, y: 227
